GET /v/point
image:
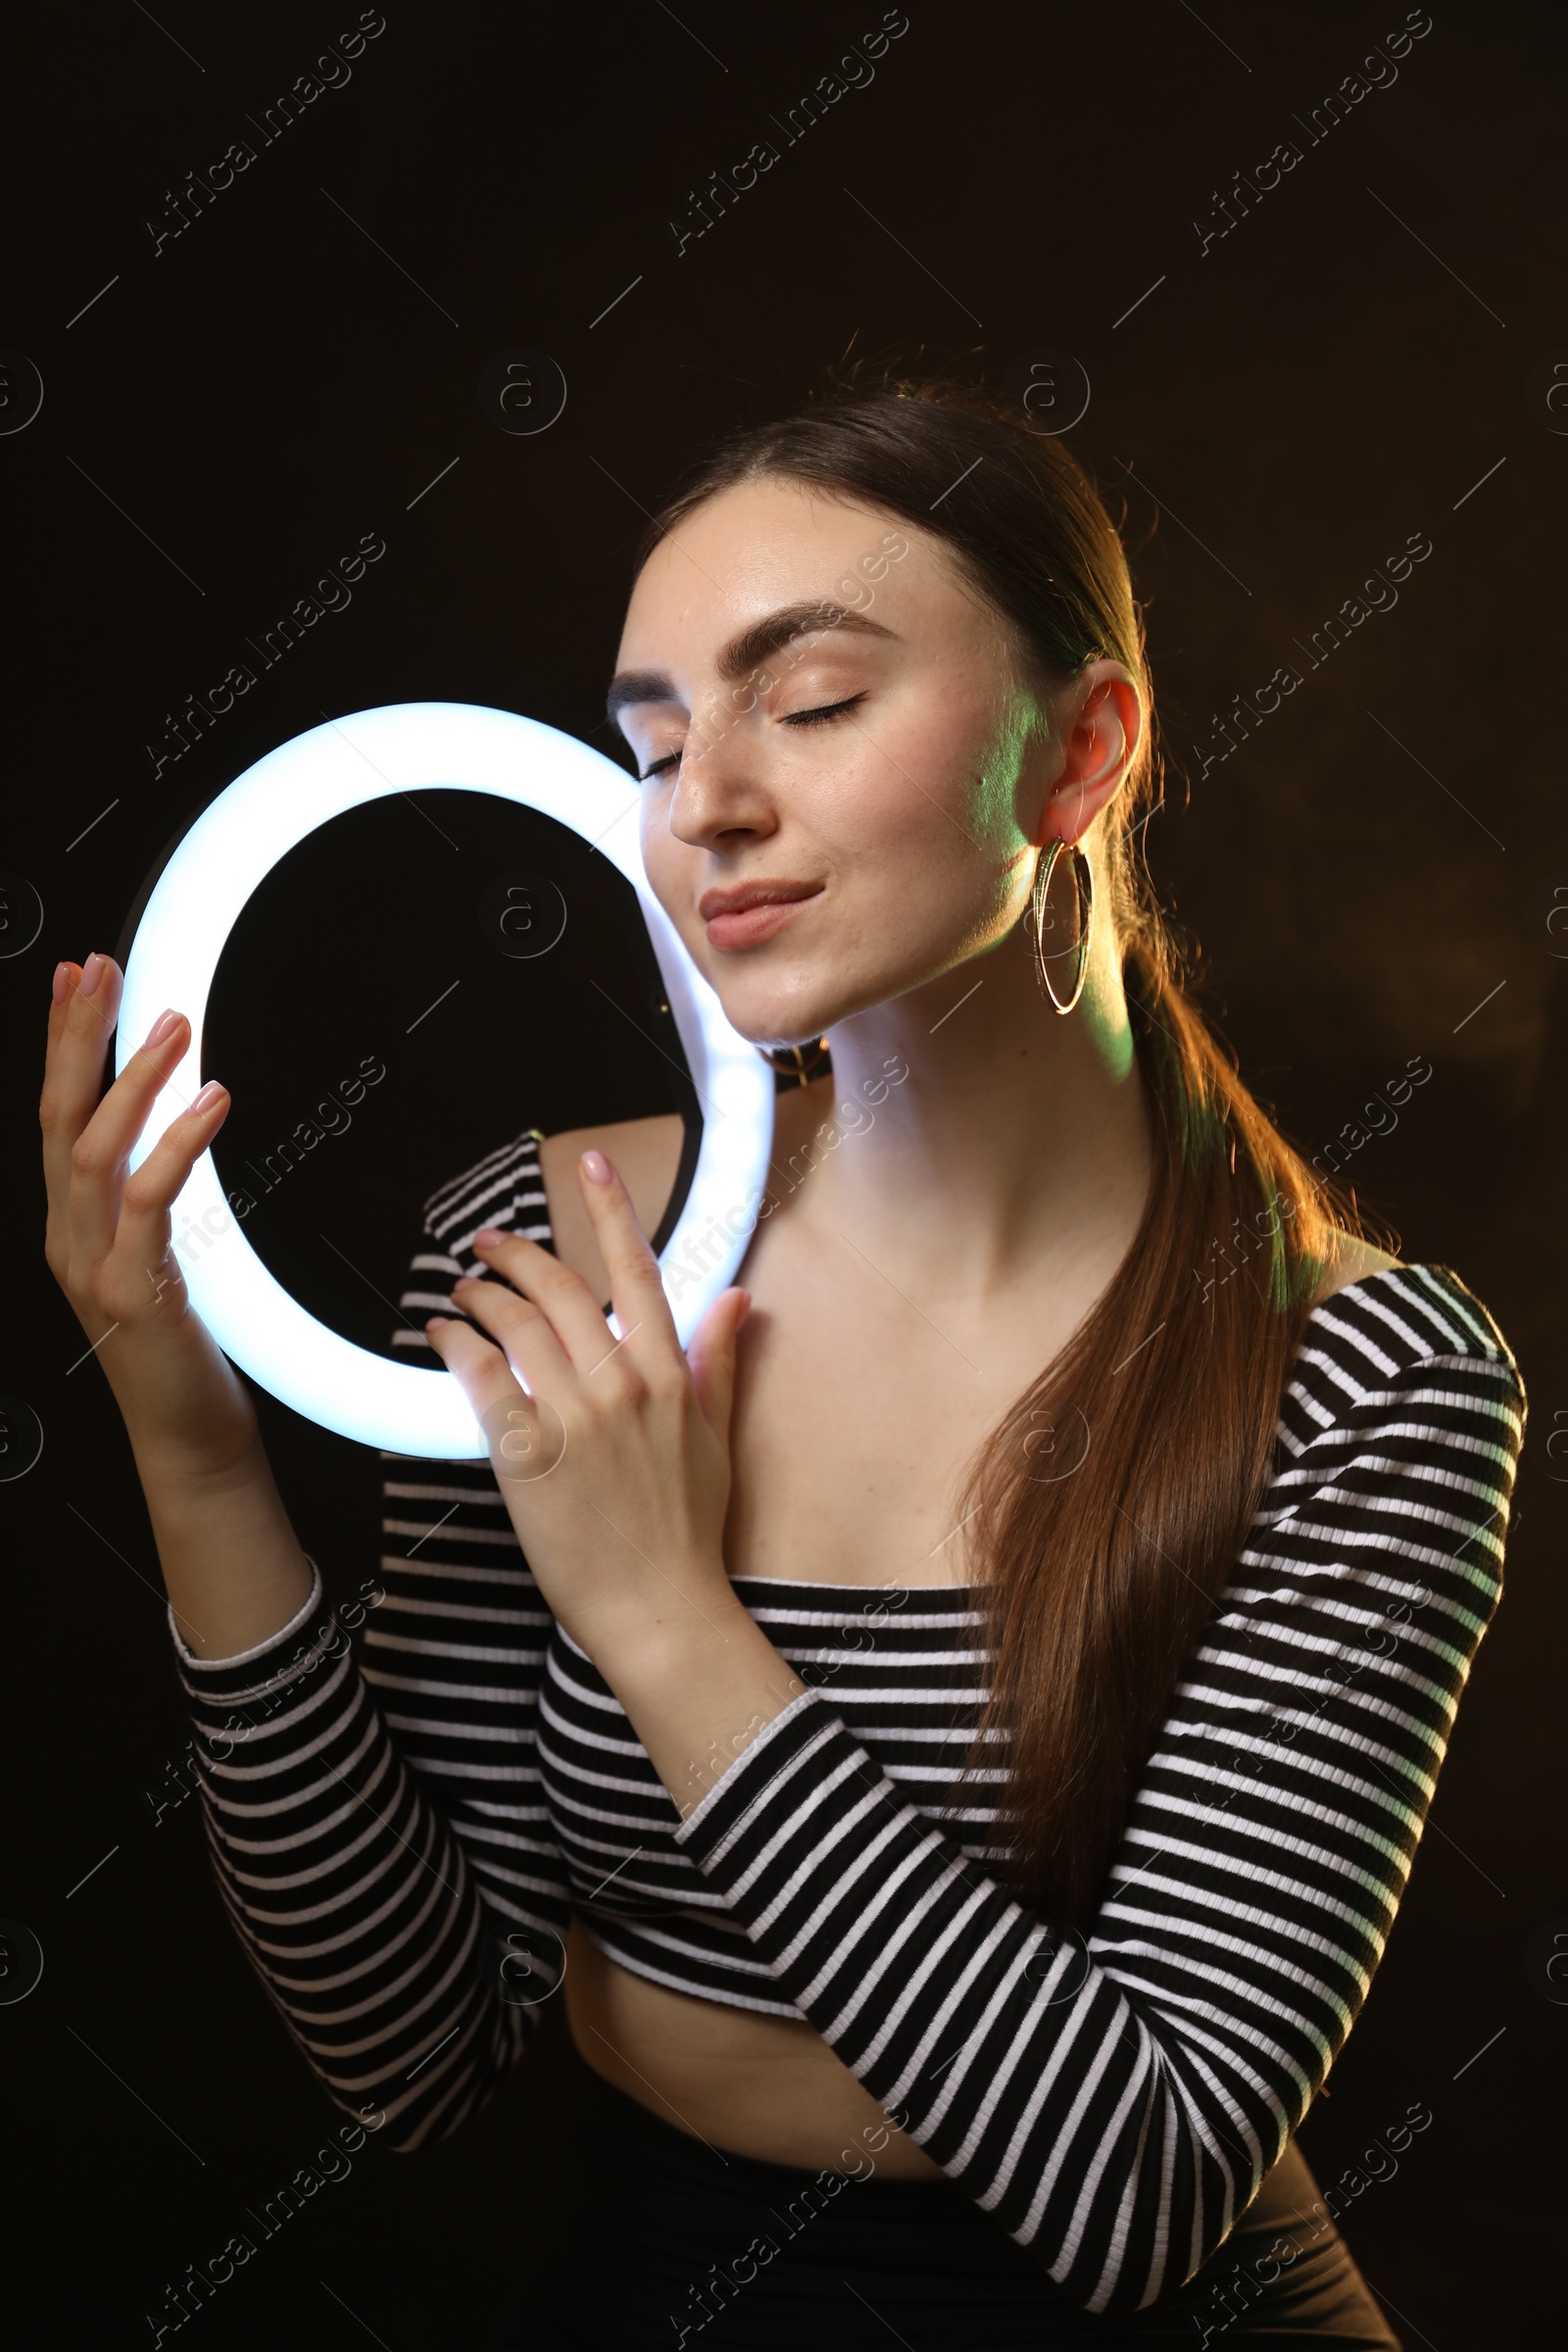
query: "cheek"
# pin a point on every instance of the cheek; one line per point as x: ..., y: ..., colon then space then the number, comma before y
x: 937, y: 798
x: 952, y: 756
x: 923, y: 871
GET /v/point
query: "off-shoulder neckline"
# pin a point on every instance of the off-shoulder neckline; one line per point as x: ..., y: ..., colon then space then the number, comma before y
x: 792, y: 1584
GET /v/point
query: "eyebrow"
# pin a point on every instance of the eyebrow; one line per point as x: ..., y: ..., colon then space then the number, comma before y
x: 745, y: 652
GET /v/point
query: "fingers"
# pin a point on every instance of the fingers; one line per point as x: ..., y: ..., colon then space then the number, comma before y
x: 521, y: 1330
x: 712, y: 1357
x: 636, y: 1286
x: 142, y: 1233
x: 562, y: 1296
x: 526, y: 1440
x: 482, y: 1370
x: 556, y: 1321
x: 97, y: 1158
x: 82, y: 1022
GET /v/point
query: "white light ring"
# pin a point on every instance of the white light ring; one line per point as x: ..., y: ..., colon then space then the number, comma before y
x: 233, y: 845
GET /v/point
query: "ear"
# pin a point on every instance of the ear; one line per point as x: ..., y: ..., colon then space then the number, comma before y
x: 1100, y: 728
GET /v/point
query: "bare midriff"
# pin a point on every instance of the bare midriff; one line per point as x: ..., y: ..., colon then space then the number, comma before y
x: 769, y: 2088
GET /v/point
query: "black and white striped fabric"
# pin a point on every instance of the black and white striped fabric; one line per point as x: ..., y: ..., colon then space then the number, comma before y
x: 402, y: 1838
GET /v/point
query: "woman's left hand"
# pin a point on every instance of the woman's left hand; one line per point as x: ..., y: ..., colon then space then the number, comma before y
x: 611, y: 1455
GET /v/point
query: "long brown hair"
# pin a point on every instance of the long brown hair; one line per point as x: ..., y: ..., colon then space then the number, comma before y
x: 1112, y: 1502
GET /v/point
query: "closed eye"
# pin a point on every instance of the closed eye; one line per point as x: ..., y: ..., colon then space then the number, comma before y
x: 795, y: 718
x: 814, y: 718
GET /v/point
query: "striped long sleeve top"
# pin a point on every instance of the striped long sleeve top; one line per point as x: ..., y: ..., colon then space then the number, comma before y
x: 404, y: 1826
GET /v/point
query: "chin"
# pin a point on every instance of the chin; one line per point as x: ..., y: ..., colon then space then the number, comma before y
x: 776, y: 1040
x: 765, y: 1017
x: 801, y: 1008
x: 776, y: 1030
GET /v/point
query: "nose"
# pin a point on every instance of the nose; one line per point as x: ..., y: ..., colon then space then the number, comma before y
x: 718, y: 797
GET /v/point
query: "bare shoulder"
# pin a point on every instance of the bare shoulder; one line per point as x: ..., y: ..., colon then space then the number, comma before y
x: 1353, y: 1262
x: 647, y: 1155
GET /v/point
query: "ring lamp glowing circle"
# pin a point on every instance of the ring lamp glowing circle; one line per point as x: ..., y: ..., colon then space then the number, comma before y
x: 413, y: 746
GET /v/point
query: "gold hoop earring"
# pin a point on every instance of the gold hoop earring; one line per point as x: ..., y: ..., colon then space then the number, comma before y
x: 1083, y: 874
x: 799, y: 1067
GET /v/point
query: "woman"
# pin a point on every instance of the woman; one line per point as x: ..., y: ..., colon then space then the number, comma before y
x: 957, y: 1742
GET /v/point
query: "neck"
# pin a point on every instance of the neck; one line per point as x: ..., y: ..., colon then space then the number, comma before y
x: 1017, y: 1145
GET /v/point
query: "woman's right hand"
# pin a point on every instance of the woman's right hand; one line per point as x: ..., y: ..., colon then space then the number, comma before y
x: 107, y: 1242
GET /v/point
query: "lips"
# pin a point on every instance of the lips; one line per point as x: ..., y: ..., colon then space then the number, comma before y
x: 751, y: 911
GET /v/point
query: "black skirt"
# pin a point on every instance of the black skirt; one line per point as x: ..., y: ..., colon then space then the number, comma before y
x: 670, y: 2242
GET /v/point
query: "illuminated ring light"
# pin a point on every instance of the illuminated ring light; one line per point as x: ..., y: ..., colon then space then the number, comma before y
x: 233, y: 845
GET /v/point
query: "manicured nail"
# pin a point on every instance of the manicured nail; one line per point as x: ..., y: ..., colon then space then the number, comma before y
x: 61, y: 982
x: 487, y: 1236
x: 92, y: 971
x: 596, y: 1168
x: 210, y: 1096
x: 165, y: 1026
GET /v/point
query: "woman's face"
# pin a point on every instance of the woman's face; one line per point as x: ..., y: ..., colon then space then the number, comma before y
x: 884, y: 767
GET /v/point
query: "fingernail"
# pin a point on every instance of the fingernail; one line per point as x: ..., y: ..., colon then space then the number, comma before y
x: 165, y: 1026
x: 487, y: 1236
x: 92, y: 971
x: 596, y: 1168
x: 210, y: 1096
x: 436, y: 1322
x: 61, y: 982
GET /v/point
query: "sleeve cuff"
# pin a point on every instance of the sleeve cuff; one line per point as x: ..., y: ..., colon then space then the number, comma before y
x: 251, y: 1671
x: 712, y: 1827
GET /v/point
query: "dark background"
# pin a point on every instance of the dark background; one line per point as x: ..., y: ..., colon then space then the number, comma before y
x: 1364, y: 357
